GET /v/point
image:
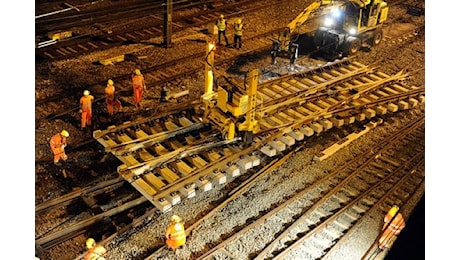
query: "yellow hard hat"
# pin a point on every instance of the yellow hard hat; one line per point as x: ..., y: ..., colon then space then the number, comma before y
x: 65, y: 133
x: 110, y: 82
x: 221, y: 16
x: 393, y: 211
x: 137, y: 72
x: 238, y: 21
x: 86, y: 92
x: 90, y: 243
x: 175, y: 218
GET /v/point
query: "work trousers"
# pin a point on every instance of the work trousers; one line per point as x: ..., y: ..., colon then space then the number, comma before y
x: 237, y: 41
x: 138, y: 92
x: 111, y: 103
x: 85, y: 118
x: 225, y: 37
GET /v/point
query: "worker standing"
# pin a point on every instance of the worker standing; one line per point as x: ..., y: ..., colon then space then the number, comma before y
x: 110, y: 99
x: 393, y: 225
x: 86, y: 110
x: 138, y: 86
x: 175, y: 233
x: 58, y: 143
x: 238, y: 29
x: 221, y: 27
x: 95, y: 252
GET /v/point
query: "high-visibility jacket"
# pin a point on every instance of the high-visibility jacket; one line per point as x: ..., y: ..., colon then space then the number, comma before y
x: 391, y: 230
x: 175, y: 235
x: 396, y: 225
x: 58, y: 142
x: 221, y: 24
x: 110, y: 91
x: 96, y: 253
x: 86, y: 103
x: 138, y: 81
x: 238, y: 29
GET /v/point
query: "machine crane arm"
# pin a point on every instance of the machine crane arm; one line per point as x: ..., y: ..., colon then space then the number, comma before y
x: 303, y: 16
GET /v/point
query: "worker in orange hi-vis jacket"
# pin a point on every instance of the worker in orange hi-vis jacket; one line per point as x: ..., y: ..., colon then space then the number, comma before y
x: 392, y: 226
x: 110, y: 99
x: 86, y: 103
x: 175, y: 233
x: 138, y: 86
x: 58, y: 143
x: 95, y: 252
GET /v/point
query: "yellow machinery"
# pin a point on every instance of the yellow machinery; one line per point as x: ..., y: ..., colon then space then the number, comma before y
x: 285, y: 45
x: 348, y: 25
x: 352, y: 24
x: 229, y: 108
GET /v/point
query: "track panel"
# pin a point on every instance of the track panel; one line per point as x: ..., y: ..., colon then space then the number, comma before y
x: 174, y: 156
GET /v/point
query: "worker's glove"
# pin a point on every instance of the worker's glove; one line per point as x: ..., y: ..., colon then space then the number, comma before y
x: 64, y: 145
x: 79, y: 111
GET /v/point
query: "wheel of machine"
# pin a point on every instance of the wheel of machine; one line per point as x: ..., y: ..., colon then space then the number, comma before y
x: 378, y: 36
x: 352, y: 46
x: 248, y: 138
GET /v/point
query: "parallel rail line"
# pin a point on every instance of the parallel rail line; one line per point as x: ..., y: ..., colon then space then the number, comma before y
x: 373, y: 181
x: 151, y: 28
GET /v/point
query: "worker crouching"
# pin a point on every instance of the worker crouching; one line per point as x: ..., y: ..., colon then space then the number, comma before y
x: 393, y: 225
x: 95, y: 252
x: 175, y: 233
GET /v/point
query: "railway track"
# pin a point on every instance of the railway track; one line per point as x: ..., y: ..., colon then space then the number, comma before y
x: 173, y: 156
x: 317, y: 220
x: 173, y: 70
x: 111, y: 202
x: 138, y: 30
x: 177, y: 141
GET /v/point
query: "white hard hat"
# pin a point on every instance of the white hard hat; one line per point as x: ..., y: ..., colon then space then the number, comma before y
x: 86, y: 92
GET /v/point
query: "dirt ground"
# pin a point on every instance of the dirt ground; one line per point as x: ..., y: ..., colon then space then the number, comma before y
x: 49, y: 78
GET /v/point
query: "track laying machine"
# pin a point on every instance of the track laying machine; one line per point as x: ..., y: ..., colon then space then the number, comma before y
x: 346, y: 27
x: 230, y: 108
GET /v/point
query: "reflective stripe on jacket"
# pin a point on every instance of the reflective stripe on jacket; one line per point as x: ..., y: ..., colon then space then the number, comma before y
x: 396, y: 225
x: 96, y: 253
x: 176, y: 234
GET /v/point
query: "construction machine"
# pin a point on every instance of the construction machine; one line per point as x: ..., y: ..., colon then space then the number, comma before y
x: 285, y: 44
x: 347, y: 25
x: 231, y: 108
x: 352, y: 24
